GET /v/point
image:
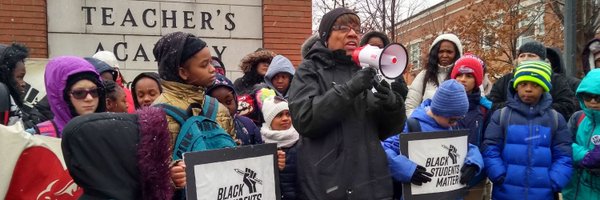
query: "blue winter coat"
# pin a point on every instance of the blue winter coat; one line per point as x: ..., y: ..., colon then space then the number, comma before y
x: 288, y: 176
x: 246, y: 131
x: 532, y: 161
x: 401, y: 167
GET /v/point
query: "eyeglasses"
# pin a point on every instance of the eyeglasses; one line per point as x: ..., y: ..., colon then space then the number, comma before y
x: 589, y: 97
x: 82, y: 93
x: 346, y: 29
x: 453, y: 120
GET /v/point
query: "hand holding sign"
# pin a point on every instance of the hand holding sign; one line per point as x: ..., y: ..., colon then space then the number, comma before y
x: 420, y: 176
x: 467, y: 173
x: 178, y: 174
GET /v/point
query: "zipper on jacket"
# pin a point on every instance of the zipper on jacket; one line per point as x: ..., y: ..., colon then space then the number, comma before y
x: 528, y: 168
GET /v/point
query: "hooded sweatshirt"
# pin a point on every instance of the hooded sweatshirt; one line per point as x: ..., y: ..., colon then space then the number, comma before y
x: 279, y: 64
x: 592, y: 47
x: 152, y: 75
x: 58, y: 71
x: 416, y: 92
x: 585, y: 183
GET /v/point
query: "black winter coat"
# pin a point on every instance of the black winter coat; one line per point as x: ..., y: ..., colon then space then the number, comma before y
x: 288, y: 180
x: 474, y: 119
x: 562, y: 96
x: 340, y: 151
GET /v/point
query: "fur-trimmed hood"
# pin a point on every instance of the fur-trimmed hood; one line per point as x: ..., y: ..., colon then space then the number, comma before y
x: 308, y: 44
x: 251, y: 60
x: 593, y: 46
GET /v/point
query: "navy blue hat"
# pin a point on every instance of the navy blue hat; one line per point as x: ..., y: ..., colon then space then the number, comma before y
x: 221, y: 81
x: 101, y: 66
x: 450, y: 100
x: 534, y: 47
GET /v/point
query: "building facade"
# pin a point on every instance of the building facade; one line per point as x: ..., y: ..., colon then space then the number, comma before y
x: 495, y: 33
x: 130, y: 28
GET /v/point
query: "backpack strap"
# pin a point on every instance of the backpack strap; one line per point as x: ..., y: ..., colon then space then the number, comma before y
x: 555, y: 116
x: 579, y: 119
x: 176, y: 113
x: 413, y: 125
x: 210, y: 107
x: 504, y: 119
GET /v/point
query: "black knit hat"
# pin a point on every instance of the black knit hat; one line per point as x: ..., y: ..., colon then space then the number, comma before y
x: 192, y: 46
x: 329, y: 19
x: 534, y: 47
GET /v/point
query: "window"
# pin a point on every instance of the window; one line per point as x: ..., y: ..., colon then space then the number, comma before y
x: 488, y: 36
x: 415, y: 55
x: 534, y: 22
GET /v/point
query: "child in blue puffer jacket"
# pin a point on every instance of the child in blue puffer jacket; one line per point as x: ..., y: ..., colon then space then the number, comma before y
x: 448, y: 105
x: 527, y: 145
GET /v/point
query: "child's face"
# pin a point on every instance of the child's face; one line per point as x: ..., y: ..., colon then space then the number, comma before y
x: 19, y: 73
x: 225, y: 96
x: 120, y: 103
x: 529, y: 92
x: 591, y: 101
x: 197, y: 70
x: 281, y: 82
x: 467, y: 80
x: 283, y: 121
x: 447, y: 122
x: 84, y: 97
x: 146, y: 91
x: 262, y: 68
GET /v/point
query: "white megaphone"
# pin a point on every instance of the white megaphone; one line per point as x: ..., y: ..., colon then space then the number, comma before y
x: 391, y: 61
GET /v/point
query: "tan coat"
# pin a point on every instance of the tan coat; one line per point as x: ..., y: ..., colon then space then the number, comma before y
x: 182, y: 95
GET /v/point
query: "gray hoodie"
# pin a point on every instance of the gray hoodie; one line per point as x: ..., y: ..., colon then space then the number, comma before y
x: 278, y: 65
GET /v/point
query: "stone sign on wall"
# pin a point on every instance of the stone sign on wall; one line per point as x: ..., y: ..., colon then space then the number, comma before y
x: 130, y: 28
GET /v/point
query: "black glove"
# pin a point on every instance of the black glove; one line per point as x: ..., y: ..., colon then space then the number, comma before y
x: 399, y: 86
x: 361, y: 81
x: 467, y: 172
x: 420, y: 176
x: 385, y: 96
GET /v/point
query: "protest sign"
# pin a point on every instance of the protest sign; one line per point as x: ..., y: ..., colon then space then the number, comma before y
x: 442, y: 154
x: 240, y: 173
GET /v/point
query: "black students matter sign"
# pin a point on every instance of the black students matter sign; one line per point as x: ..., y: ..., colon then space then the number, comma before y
x: 442, y: 154
x: 240, y: 173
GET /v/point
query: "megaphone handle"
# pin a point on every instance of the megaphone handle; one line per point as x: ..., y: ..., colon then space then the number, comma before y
x: 378, y: 78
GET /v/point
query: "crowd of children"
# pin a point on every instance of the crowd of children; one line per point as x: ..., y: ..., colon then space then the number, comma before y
x: 336, y: 128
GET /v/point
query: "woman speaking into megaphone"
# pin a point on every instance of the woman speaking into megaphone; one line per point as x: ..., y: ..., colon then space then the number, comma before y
x: 340, y: 120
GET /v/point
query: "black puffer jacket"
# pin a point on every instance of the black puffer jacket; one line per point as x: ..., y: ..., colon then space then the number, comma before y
x: 562, y: 96
x: 340, y: 151
x: 288, y: 177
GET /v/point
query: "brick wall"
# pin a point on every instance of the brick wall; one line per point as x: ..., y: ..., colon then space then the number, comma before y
x: 24, y: 21
x: 286, y: 24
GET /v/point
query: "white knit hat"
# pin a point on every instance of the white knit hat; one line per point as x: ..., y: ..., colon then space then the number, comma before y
x: 272, y: 106
x: 107, y: 57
